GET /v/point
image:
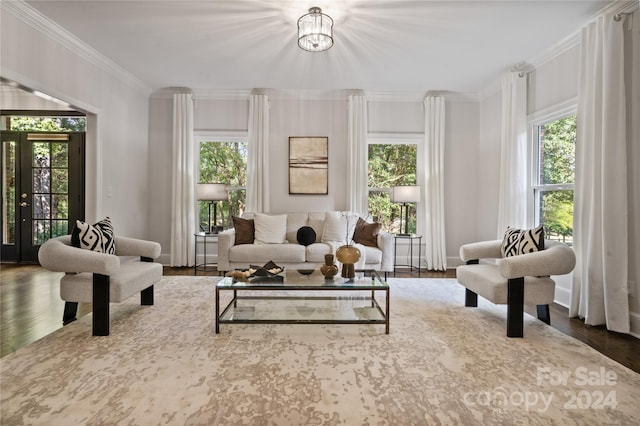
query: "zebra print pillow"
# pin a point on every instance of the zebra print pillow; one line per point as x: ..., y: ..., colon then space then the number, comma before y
x: 518, y: 241
x: 97, y: 237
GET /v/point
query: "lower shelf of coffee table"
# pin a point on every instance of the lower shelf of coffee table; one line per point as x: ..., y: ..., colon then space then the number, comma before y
x: 303, y: 310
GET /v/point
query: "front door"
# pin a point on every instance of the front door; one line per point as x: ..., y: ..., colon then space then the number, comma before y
x: 42, y: 190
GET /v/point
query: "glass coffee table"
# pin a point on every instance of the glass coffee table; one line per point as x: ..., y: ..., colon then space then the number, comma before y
x: 304, y: 297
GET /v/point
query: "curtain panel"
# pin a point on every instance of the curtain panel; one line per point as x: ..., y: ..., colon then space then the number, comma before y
x: 358, y: 156
x: 600, y: 286
x: 183, y: 203
x: 512, y: 203
x: 434, y: 147
x: 258, y: 155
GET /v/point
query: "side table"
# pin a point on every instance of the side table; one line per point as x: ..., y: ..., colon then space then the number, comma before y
x: 204, y: 238
x: 411, y: 238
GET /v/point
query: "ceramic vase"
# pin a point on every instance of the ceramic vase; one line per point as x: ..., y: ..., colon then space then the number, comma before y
x: 348, y: 255
x: 329, y: 269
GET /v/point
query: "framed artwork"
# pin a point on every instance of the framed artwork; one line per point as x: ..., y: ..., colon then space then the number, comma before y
x: 309, y: 165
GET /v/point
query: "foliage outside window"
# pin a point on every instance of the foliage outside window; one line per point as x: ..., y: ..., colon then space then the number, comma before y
x: 223, y: 162
x: 555, y: 176
x: 47, y: 124
x: 390, y: 165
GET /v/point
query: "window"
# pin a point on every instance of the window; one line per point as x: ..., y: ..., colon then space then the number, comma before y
x: 391, y: 163
x: 554, y: 175
x: 223, y: 160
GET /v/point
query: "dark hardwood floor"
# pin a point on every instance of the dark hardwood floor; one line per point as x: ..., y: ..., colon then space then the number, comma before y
x: 31, y: 308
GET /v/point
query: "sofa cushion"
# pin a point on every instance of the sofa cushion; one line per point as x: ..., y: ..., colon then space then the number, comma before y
x: 270, y: 229
x: 98, y: 237
x: 315, y: 252
x: 295, y: 221
x: 339, y: 227
x: 306, y: 235
x: 316, y: 221
x: 245, y: 230
x: 366, y: 233
x: 262, y: 253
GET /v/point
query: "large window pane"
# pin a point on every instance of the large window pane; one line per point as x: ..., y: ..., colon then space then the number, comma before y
x: 390, y: 165
x: 223, y: 162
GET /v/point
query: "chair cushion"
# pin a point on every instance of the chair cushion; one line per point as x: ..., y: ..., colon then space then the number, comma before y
x: 315, y: 252
x: 133, y: 277
x: 270, y: 229
x: 245, y: 230
x: 486, y: 280
x: 518, y: 241
x: 366, y: 233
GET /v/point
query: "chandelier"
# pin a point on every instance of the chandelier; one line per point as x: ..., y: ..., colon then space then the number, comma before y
x: 315, y: 31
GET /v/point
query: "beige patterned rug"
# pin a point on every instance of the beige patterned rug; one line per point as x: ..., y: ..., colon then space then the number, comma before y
x: 441, y: 364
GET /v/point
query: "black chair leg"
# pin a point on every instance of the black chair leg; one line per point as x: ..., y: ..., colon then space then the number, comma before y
x: 470, y: 298
x: 515, y: 307
x: 146, y: 296
x: 101, y: 305
x: 70, y: 312
x: 543, y: 314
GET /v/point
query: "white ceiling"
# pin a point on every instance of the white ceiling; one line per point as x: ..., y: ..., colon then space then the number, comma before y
x: 380, y: 45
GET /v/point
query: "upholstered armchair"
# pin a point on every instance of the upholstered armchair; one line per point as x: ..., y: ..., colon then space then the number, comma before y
x: 100, y: 278
x: 516, y: 281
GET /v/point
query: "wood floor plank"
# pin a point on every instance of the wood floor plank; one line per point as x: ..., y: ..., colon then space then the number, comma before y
x: 31, y: 308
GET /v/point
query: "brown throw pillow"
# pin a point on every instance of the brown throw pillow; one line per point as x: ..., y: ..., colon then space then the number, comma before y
x: 245, y: 230
x: 366, y: 233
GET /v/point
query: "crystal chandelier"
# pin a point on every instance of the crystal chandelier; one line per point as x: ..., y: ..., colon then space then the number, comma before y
x: 315, y: 31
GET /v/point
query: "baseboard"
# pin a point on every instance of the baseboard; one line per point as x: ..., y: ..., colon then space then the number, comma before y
x: 634, y: 318
x: 562, y: 297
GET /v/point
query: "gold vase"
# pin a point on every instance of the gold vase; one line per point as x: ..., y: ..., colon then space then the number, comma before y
x: 348, y: 255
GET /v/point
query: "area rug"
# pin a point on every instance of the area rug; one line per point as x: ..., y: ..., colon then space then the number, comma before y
x: 442, y: 363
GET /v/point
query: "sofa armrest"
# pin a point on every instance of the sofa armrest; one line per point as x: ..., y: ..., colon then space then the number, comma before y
x: 58, y: 255
x: 387, y: 246
x: 126, y: 246
x: 556, y: 259
x: 481, y: 250
x: 226, y: 240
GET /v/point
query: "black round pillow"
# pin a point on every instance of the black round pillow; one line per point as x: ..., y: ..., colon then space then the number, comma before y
x: 306, y: 235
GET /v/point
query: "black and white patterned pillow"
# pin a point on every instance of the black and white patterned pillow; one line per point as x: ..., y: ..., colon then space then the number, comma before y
x: 98, y: 237
x: 517, y: 241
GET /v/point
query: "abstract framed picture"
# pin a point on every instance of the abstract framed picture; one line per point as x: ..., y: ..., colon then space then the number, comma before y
x: 309, y: 165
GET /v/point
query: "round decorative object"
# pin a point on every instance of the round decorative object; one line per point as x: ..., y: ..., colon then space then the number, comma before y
x: 328, y: 269
x: 306, y: 235
x: 348, y: 255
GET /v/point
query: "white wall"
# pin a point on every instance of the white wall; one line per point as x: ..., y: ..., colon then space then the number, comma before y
x: 304, y: 116
x: 117, y: 140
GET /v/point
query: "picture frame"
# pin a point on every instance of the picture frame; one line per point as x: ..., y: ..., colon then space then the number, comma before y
x: 309, y: 165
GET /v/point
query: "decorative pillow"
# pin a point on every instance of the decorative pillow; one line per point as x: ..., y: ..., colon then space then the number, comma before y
x: 270, y: 229
x: 245, y: 230
x: 366, y: 233
x: 98, y: 237
x: 517, y: 241
x: 338, y: 227
x: 306, y: 235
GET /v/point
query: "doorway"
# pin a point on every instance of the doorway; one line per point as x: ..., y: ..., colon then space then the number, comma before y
x: 42, y: 189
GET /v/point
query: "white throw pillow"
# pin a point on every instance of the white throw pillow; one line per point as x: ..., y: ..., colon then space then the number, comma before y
x: 335, y: 227
x: 270, y: 229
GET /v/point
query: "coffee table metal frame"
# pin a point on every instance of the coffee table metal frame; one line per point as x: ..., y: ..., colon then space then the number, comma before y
x: 229, y: 284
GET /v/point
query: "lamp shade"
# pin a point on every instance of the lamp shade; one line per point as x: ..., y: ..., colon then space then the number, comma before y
x: 405, y: 194
x: 211, y: 191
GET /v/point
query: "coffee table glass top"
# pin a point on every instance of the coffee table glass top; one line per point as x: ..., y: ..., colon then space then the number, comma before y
x: 307, y: 279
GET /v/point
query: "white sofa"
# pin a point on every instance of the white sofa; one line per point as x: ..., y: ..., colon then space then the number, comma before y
x: 293, y: 255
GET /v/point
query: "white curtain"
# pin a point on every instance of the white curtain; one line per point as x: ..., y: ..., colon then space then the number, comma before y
x: 434, y: 145
x: 512, y: 203
x: 258, y: 155
x: 600, y: 288
x: 357, y: 196
x: 183, y: 211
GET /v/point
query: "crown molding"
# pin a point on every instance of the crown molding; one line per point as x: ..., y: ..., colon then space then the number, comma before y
x: 31, y: 17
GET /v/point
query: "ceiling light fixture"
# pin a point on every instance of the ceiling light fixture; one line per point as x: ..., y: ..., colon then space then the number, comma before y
x: 315, y: 31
